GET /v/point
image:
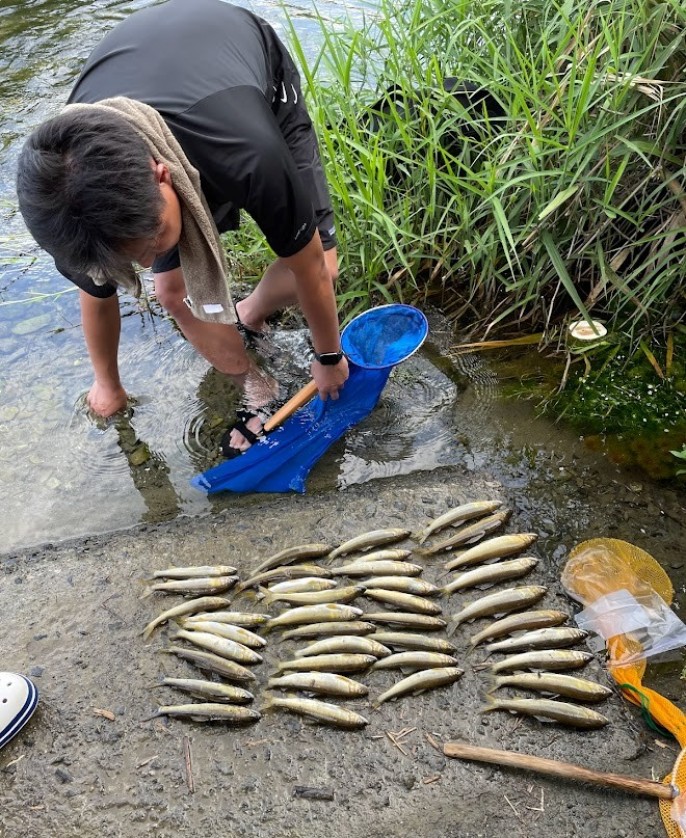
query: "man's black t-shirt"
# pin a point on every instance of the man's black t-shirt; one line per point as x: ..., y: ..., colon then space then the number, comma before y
x: 228, y: 90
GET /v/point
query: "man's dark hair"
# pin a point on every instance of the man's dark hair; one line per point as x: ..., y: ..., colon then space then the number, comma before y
x: 86, y: 187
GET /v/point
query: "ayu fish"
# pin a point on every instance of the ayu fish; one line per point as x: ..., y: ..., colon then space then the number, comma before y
x: 523, y: 621
x: 300, y: 586
x: 320, y: 711
x: 427, y: 679
x: 331, y: 629
x: 500, y: 602
x: 329, y: 612
x: 367, y: 540
x: 221, y: 646
x: 394, y: 554
x: 382, y: 568
x: 470, y: 533
x: 458, y: 516
x: 323, y: 683
x: 205, y: 585
x: 236, y: 633
x: 493, y: 548
x: 194, y: 572
x: 553, y: 660
x: 409, y: 619
x: 328, y: 663
x: 230, y: 713
x: 191, y: 606
x: 490, y: 573
x: 345, y: 645
x: 290, y: 554
x: 297, y: 571
x: 546, y: 638
x: 408, y: 602
x: 210, y: 662
x: 403, y: 584
x: 547, y: 708
x: 244, y: 619
x: 344, y: 594
x: 415, y: 660
x: 552, y: 682
x: 209, y: 690
x: 411, y: 640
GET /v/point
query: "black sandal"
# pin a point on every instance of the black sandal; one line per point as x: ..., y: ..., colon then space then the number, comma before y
x: 243, y: 416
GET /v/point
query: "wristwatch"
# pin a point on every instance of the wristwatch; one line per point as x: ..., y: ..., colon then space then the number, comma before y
x: 329, y: 359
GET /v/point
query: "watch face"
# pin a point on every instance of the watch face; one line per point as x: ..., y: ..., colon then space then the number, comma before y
x: 329, y: 359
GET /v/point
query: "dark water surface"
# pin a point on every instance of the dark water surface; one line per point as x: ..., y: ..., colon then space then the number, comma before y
x: 64, y: 476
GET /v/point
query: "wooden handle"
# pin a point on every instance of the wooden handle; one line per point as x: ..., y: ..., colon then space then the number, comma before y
x: 561, y: 769
x: 302, y: 397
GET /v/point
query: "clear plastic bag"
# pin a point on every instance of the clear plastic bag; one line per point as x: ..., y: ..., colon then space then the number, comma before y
x: 612, y: 581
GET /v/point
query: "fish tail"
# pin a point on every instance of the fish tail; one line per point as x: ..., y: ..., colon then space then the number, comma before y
x: 490, y: 703
x: 452, y: 627
x: 150, y: 718
x: 492, y: 684
x: 146, y: 593
x: 422, y: 551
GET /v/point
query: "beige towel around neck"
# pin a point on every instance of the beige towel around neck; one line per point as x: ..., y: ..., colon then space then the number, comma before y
x: 200, y: 250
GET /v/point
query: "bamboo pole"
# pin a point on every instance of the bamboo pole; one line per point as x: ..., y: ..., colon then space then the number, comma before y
x: 541, y: 765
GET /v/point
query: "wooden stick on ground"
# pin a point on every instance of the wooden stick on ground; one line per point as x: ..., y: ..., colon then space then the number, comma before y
x: 555, y: 768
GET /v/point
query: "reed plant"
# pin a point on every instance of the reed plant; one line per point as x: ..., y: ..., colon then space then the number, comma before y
x: 563, y: 193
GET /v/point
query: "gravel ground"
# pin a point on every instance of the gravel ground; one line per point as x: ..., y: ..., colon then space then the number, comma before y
x: 88, y: 764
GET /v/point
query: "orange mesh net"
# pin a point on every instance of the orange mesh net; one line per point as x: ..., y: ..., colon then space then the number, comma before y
x: 602, y: 566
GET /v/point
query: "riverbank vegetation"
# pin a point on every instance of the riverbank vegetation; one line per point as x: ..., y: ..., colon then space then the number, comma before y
x: 520, y: 166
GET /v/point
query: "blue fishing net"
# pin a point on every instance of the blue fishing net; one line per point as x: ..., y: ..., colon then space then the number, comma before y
x: 281, y: 461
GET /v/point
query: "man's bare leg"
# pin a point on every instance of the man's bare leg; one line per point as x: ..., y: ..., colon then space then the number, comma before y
x: 218, y: 343
x: 276, y: 291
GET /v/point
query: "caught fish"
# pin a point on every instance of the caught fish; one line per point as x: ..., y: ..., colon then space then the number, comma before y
x: 209, y: 690
x: 194, y: 572
x: 300, y: 586
x: 407, y: 618
x: 427, y: 679
x: 412, y: 640
x: 230, y: 713
x: 546, y: 638
x: 367, y: 540
x: 493, y: 548
x: 290, y: 554
x: 385, y: 568
x: 404, y: 584
x: 458, y: 516
x: 552, y: 682
x: 415, y: 660
x: 550, y: 659
x: 345, y: 645
x: 234, y: 618
x: 208, y: 603
x: 231, y: 632
x: 395, y: 554
x: 547, y: 708
x: 328, y: 663
x: 328, y: 612
x: 221, y: 646
x: 324, y: 683
x: 490, y: 573
x: 320, y: 711
x: 409, y: 602
x: 345, y: 594
x: 522, y: 621
x: 210, y: 662
x: 192, y: 587
x: 500, y: 602
x: 329, y: 629
x: 470, y: 533
x: 297, y: 571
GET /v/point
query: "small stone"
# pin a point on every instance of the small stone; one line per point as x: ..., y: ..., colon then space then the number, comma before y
x: 36, y: 671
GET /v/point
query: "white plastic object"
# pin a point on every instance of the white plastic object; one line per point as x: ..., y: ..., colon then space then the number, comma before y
x: 18, y: 700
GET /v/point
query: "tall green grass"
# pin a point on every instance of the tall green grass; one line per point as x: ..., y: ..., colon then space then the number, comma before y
x: 576, y: 205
